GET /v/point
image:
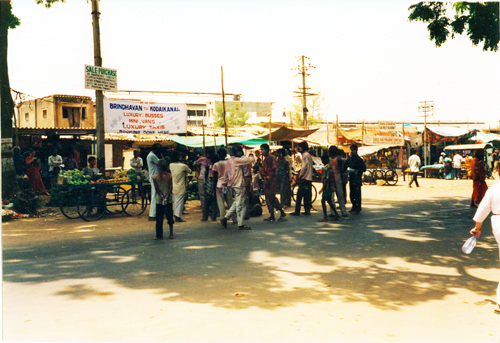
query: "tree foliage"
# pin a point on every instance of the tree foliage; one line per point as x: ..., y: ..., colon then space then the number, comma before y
x: 315, y: 108
x: 479, y: 20
x: 235, y: 116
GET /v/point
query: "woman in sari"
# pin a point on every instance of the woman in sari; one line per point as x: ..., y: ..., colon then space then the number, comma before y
x: 33, y: 167
x: 478, y: 173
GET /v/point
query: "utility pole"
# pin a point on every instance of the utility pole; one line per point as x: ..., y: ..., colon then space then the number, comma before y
x: 426, y: 107
x: 224, y: 104
x: 303, y: 91
x: 99, y: 98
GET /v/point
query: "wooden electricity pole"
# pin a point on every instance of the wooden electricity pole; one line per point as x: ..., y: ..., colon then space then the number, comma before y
x: 224, y: 104
x: 426, y: 107
x: 99, y: 98
x: 303, y: 90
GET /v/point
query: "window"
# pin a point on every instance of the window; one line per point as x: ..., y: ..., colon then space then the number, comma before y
x: 84, y: 113
x: 27, y: 116
x: 65, y: 113
x: 191, y: 113
x: 44, y: 114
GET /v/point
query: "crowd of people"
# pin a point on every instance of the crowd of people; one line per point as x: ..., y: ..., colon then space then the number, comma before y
x: 231, y: 184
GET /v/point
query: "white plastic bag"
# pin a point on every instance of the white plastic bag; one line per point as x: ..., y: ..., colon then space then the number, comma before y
x: 469, y: 245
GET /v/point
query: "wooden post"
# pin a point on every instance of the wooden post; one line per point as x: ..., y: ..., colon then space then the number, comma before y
x: 223, y: 104
x: 270, y: 116
x: 203, y: 128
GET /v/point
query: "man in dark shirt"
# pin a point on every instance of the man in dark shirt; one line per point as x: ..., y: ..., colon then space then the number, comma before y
x: 356, y: 167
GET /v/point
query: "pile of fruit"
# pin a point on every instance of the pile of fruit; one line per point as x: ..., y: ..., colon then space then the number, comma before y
x: 192, y: 189
x: 75, y: 177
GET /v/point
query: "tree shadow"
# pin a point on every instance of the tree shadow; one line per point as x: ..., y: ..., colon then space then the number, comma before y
x: 391, y: 255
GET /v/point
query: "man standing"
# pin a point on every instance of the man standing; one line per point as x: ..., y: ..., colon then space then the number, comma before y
x: 304, y: 179
x: 153, y: 159
x: 136, y: 161
x: 54, y: 160
x: 457, y: 165
x: 163, y: 185
x: 201, y: 165
x: 234, y: 178
x: 268, y: 174
x: 414, y: 165
x: 356, y: 169
x: 179, y: 174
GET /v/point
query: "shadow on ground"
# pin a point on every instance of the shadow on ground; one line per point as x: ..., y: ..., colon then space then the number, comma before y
x: 389, y: 256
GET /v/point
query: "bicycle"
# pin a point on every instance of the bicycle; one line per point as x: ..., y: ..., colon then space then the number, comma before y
x: 295, y: 188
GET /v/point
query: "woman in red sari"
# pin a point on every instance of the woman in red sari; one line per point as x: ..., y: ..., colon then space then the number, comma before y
x: 478, y: 173
x: 33, y: 171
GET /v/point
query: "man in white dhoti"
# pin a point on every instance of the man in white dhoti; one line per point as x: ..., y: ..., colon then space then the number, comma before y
x: 179, y: 177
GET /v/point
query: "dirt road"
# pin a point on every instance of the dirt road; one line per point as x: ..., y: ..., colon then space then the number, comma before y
x: 395, y: 273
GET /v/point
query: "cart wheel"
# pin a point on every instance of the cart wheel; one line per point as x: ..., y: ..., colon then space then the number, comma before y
x: 391, y: 177
x: 70, y: 208
x: 91, y: 208
x: 367, y: 177
x: 114, y: 200
x: 134, y: 203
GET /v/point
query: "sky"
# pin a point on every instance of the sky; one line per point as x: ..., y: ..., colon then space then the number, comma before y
x: 370, y: 62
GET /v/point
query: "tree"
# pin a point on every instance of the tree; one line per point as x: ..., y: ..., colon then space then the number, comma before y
x: 479, y: 20
x: 9, y: 21
x: 235, y: 116
x: 315, y: 114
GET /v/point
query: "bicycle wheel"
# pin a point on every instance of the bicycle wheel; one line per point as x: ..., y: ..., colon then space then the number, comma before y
x: 114, y: 200
x: 314, y: 193
x: 378, y: 175
x: 92, y: 207
x: 367, y: 177
x: 134, y: 203
x: 295, y: 189
x: 70, y: 208
x: 391, y: 177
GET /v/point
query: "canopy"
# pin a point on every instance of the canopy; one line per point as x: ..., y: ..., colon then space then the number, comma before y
x: 486, y: 137
x: 287, y: 134
x: 468, y: 147
x: 368, y: 150
x: 197, y: 141
x: 448, y: 134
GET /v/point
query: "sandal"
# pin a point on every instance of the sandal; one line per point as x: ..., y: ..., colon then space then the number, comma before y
x: 244, y: 227
x: 323, y: 220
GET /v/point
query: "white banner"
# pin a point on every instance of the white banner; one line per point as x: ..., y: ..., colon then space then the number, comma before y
x: 383, y: 140
x: 144, y: 117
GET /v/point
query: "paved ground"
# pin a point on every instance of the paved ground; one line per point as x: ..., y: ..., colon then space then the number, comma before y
x: 395, y: 273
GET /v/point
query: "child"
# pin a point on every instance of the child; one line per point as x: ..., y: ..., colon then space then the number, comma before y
x: 163, y: 185
x: 327, y: 190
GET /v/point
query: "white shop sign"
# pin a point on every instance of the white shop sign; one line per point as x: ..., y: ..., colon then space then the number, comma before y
x: 144, y: 117
x: 383, y: 140
x: 101, y: 79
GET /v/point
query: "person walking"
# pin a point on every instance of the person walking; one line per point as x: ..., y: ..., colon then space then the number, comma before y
x: 233, y: 178
x: 478, y: 173
x: 268, y: 174
x: 327, y: 190
x: 304, y: 179
x: 490, y: 203
x: 202, y: 165
x: 283, y: 179
x: 179, y: 173
x: 457, y: 165
x: 162, y: 182
x: 356, y: 169
x: 210, y: 203
x: 152, y: 160
x: 337, y: 164
x: 221, y: 193
x: 414, y: 165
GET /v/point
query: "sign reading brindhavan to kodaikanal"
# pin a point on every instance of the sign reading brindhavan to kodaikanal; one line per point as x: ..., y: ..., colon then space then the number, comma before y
x: 144, y: 117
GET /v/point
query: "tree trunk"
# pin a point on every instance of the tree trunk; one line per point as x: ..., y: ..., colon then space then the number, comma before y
x: 7, y: 104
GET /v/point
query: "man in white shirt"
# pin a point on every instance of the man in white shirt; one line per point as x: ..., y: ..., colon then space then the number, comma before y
x: 153, y: 160
x: 179, y: 183
x: 234, y: 178
x: 457, y: 165
x: 490, y: 203
x: 136, y: 161
x: 305, y: 181
x: 54, y: 160
x: 414, y: 165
